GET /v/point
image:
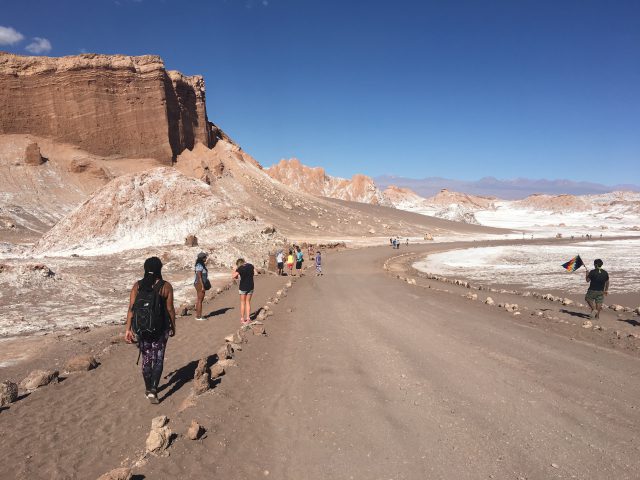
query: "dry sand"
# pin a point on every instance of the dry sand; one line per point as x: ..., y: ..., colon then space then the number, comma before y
x: 362, y: 376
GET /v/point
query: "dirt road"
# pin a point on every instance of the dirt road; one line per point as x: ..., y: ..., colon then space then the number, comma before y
x: 362, y: 376
x: 370, y: 378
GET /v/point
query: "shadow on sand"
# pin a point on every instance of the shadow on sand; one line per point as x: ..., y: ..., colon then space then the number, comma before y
x: 575, y: 314
x: 633, y: 323
x: 220, y: 311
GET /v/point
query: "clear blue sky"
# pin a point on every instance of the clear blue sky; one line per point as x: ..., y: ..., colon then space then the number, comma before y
x: 459, y: 89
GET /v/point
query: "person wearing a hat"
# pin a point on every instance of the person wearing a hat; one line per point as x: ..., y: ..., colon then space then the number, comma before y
x: 201, y: 281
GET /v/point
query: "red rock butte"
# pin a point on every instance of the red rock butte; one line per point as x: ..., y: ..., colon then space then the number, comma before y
x: 110, y: 105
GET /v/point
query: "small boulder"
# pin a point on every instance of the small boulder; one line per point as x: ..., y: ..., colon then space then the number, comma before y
x: 567, y: 301
x: 257, y: 328
x: 201, y: 377
x: 159, y: 422
x: 226, y: 352
x: 117, y: 474
x: 217, y: 370
x: 8, y: 393
x: 616, y: 308
x: 39, y: 378
x: 587, y: 324
x: 158, y: 439
x: 195, y: 430
x: 191, y: 241
x: 269, y: 230
x: 32, y: 155
x: 81, y: 363
x: 489, y: 301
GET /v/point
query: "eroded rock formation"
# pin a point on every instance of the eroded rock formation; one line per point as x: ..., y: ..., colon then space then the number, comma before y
x: 110, y: 105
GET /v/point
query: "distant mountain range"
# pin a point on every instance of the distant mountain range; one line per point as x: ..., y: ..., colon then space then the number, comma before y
x: 506, y: 189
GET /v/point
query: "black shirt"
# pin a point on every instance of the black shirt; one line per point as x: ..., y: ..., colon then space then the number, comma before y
x: 246, y: 277
x: 597, y: 279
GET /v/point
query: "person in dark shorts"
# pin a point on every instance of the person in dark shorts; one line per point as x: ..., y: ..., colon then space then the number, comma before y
x: 245, y: 272
x: 299, y: 260
x: 152, y: 349
x: 280, y: 262
x: 598, y: 280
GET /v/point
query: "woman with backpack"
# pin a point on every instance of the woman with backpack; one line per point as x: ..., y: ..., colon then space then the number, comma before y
x: 201, y: 283
x: 152, y: 319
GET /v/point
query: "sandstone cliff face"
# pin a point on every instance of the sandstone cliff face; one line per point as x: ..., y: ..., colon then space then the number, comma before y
x: 315, y: 181
x: 110, y: 105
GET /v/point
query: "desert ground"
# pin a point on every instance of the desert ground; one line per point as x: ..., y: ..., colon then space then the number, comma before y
x: 370, y: 371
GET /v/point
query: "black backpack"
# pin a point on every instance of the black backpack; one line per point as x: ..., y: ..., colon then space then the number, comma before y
x: 149, y: 313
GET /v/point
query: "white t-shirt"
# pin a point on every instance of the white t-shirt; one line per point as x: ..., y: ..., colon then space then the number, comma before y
x: 280, y: 257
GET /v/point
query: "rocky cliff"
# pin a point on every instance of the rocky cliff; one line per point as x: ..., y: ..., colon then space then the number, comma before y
x: 109, y: 105
x: 315, y: 181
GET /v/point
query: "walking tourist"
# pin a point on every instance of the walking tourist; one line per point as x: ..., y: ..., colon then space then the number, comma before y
x: 598, y: 279
x: 151, y: 320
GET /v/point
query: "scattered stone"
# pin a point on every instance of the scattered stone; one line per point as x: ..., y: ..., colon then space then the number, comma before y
x: 159, y: 436
x: 159, y: 422
x: 39, y: 378
x: 195, y: 430
x: 276, y: 301
x: 587, y: 324
x: 616, y: 308
x: 117, y: 474
x: 191, y: 241
x: 257, y: 328
x: 509, y: 307
x: 516, y: 313
x: 81, y: 363
x: 226, y: 352
x: 201, y: 377
x: 289, y: 310
x: 567, y: 301
x: 269, y: 230
x: 489, y: 301
x: 217, y: 370
x: 227, y: 363
x: 8, y: 393
x: 229, y: 338
x: 428, y: 236
x: 471, y: 296
x: 314, y: 224
x: 32, y: 155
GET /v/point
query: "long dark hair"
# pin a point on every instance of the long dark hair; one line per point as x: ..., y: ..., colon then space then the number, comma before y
x: 200, y: 261
x: 152, y: 272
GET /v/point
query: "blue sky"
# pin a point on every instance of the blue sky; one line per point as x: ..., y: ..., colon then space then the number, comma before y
x: 458, y: 89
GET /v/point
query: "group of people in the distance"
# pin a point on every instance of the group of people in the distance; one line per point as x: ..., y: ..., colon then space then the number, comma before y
x: 395, y: 242
x: 151, y: 317
x: 296, y: 257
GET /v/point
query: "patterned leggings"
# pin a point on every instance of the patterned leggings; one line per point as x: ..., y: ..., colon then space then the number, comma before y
x: 153, y: 360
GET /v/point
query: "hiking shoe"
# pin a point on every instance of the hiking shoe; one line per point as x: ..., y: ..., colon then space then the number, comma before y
x: 153, y: 398
x: 200, y: 319
x: 593, y: 314
x: 597, y: 315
